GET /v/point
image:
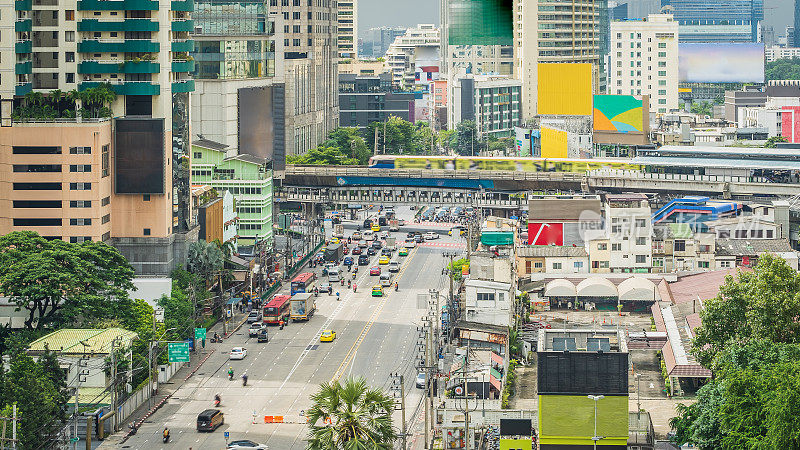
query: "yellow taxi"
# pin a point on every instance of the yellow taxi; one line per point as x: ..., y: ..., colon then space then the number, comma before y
x: 403, y: 252
x: 334, y: 240
x: 327, y: 336
x: 376, y: 227
x: 384, y: 260
x: 377, y: 290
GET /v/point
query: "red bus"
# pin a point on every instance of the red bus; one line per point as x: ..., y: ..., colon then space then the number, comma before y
x: 277, y: 309
x: 303, y: 282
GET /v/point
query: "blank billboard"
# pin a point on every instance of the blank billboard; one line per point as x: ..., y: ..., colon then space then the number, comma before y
x: 565, y: 89
x: 721, y: 63
x: 139, y: 156
x: 480, y: 22
x: 261, y: 127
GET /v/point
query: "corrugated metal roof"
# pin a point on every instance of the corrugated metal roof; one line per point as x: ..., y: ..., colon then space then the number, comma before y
x: 69, y: 340
x: 542, y: 251
x: 751, y: 247
x: 95, y: 396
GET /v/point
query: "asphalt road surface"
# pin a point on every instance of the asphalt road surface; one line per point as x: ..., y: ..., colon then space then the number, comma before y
x: 374, y: 337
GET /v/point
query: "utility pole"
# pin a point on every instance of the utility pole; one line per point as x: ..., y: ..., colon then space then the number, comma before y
x: 375, y: 148
x: 114, y: 384
x: 399, y: 379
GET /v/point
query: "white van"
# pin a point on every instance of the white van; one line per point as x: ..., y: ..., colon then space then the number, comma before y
x: 386, y: 279
x: 334, y: 275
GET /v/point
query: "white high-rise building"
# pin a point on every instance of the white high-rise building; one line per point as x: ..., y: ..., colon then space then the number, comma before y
x: 417, y: 47
x: 348, y: 29
x: 644, y: 60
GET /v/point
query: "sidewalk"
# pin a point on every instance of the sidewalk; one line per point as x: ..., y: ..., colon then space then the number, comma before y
x: 166, y: 390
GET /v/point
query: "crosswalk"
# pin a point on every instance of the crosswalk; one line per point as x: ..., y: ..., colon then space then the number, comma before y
x: 443, y: 244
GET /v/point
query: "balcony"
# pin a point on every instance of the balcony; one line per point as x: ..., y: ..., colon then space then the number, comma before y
x: 117, y: 5
x: 183, y: 66
x: 23, y: 5
x: 91, y: 67
x: 23, y: 47
x: 127, y: 87
x: 23, y: 88
x: 119, y: 25
x: 22, y: 25
x: 118, y: 46
x: 183, y: 86
x: 183, y: 46
x: 183, y: 5
x: 22, y: 68
x: 183, y: 25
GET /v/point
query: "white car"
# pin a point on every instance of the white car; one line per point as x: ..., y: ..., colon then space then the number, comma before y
x: 368, y: 233
x: 394, y: 266
x: 431, y: 235
x: 411, y: 244
x: 246, y: 444
x: 238, y: 353
x: 384, y: 234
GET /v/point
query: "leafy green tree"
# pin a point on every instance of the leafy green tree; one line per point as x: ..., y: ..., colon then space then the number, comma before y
x: 702, y: 108
x: 205, y: 260
x: 783, y: 69
x: 467, y: 141
x: 360, y: 417
x: 761, y: 304
x: 350, y: 142
x: 322, y: 156
x: 38, y: 389
x: 773, y: 141
x: 58, y: 282
x: 448, y: 140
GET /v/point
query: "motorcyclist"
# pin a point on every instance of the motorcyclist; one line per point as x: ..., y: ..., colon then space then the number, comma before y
x: 337, y: 295
x: 230, y: 373
x: 217, y: 399
x: 396, y: 287
x: 166, y: 434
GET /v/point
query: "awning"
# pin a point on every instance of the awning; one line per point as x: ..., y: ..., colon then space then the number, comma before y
x: 596, y: 287
x: 637, y: 289
x: 560, y: 288
x: 234, y: 300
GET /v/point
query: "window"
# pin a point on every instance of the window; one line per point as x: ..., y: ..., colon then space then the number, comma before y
x: 80, y: 150
x: 36, y: 168
x: 37, y: 203
x: 616, y: 229
x: 79, y: 239
x: 703, y: 264
x: 20, y: 150
x: 485, y: 296
x: 577, y: 265
x: 538, y: 265
x: 662, y: 82
x: 641, y: 259
x: 725, y: 264
x: 679, y: 246
x: 658, y: 262
x: 106, y: 218
x: 80, y: 186
x: 69, y: 77
x: 37, y: 186
x: 662, y: 73
x: 769, y: 234
x: 603, y: 264
x: 641, y: 240
x: 105, y: 162
x: 69, y: 36
x: 146, y: 231
x: 602, y: 246
x: 69, y: 14
x: 556, y: 266
x: 198, y: 155
x: 83, y: 168
x: 662, y: 45
x: 106, y: 201
x: 662, y: 101
x: 616, y: 247
x: 296, y: 42
x: 80, y: 203
x: 69, y: 56
x: 741, y: 234
x: 80, y: 222
x: 37, y: 222
x: 662, y: 92
x: 296, y: 15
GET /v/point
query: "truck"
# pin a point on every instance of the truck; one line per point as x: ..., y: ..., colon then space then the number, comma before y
x: 333, y: 253
x: 390, y: 243
x: 302, y: 307
x: 338, y: 231
x: 394, y: 225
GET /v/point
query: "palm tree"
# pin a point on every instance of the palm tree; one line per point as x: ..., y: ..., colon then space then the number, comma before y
x: 351, y: 416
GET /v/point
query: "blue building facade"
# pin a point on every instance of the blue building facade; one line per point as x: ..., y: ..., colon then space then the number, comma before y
x: 717, y: 20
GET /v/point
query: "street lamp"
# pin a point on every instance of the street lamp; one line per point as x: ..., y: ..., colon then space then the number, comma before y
x: 595, y: 438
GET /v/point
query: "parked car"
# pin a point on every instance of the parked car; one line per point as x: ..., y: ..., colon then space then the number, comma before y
x: 325, y: 287
x: 255, y: 328
x: 420, y: 381
x: 254, y: 316
x: 238, y: 353
x: 245, y: 444
x: 210, y: 420
x: 394, y: 266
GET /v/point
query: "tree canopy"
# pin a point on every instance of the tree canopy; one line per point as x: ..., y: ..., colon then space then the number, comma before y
x: 61, y: 283
x: 351, y: 416
x: 783, y: 69
x: 750, y: 338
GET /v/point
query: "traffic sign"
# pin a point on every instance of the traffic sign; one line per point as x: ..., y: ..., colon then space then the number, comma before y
x: 199, y: 333
x: 178, y: 352
x: 227, y: 435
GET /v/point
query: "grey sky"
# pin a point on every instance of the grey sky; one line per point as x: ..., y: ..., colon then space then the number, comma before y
x: 396, y: 13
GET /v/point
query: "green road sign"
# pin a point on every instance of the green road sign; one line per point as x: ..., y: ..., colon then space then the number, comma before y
x: 199, y: 333
x: 178, y: 352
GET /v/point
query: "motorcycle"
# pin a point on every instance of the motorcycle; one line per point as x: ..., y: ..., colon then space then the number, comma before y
x: 230, y: 374
x: 217, y: 400
x: 166, y: 435
x: 396, y: 288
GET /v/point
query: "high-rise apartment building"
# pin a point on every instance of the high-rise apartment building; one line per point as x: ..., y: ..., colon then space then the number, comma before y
x: 717, y: 21
x: 644, y: 60
x: 114, y: 169
x: 563, y: 31
x: 418, y: 47
x: 377, y: 40
x: 348, y: 29
x: 310, y: 72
